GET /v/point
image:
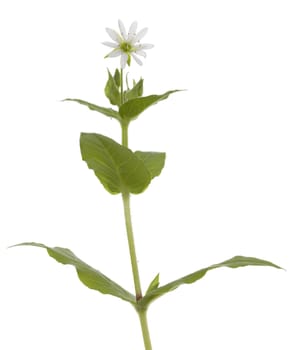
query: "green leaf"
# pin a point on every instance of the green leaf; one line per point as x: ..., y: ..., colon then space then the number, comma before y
x: 112, y: 91
x: 90, y: 277
x: 237, y: 261
x: 136, y: 91
x: 109, y: 112
x: 117, y: 77
x: 116, y: 166
x: 154, y: 161
x: 154, y: 284
x: 132, y: 108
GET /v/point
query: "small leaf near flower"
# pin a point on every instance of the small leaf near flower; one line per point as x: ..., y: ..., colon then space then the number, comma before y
x: 112, y: 91
x: 136, y: 91
x: 117, y: 78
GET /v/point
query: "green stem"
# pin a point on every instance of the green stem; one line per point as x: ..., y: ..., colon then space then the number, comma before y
x: 145, y: 330
x: 122, y: 87
x: 131, y: 243
x: 130, y: 237
x: 125, y: 133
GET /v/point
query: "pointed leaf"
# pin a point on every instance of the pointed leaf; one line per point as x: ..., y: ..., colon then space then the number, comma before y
x: 117, y: 77
x: 136, y: 91
x: 90, y: 277
x: 237, y: 261
x: 154, y: 161
x: 132, y: 108
x: 112, y: 91
x: 154, y: 284
x: 116, y: 166
x: 109, y: 112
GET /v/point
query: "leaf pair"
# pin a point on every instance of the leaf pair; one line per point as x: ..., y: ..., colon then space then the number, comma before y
x: 113, y: 89
x: 94, y: 279
x: 128, y: 111
x: 133, y: 103
x: 117, y: 167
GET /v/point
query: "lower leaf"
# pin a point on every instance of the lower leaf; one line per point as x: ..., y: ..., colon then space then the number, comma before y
x: 237, y: 261
x: 90, y: 277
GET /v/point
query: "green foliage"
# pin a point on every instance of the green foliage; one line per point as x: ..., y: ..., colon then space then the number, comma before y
x: 109, y: 112
x: 136, y: 91
x: 235, y: 262
x: 154, y: 284
x: 154, y: 161
x: 122, y: 171
x: 116, y: 166
x: 117, y: 77
x: 132, y: 108
x: 134, y: 103
x: 112, y: 90
x: 90, y: 277
x: 94, y: 279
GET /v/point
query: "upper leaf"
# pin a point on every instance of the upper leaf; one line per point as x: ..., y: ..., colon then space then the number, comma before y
x: 117, y: 77
x: 136, y: 91
x: 90, y: 277
x: 116, y: 166
x: 132, y: 108
x: 112, y: 90
x: 154, y: 161
x: 237, y: 261
x: 109, y: 112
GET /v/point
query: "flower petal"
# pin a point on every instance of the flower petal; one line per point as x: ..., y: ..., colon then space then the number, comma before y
x: 127, y: 44
x: 141, y: 53
x: 140, y: 35
x: 137, y: 59
x: 107, y: 43
x: 122, y: 29
x: 114, y: 35
x: 124, y: 59
x: 146, y: 46
x: 132, y: 31
x: 115, y: 53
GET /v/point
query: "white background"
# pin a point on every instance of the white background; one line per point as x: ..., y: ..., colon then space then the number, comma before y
x: 224, y: 191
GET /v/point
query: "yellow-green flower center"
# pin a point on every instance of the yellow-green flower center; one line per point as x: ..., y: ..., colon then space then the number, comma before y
x: 126, y: 47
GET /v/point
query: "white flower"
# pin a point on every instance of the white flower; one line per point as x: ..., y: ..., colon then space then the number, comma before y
x: 127, y: 44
